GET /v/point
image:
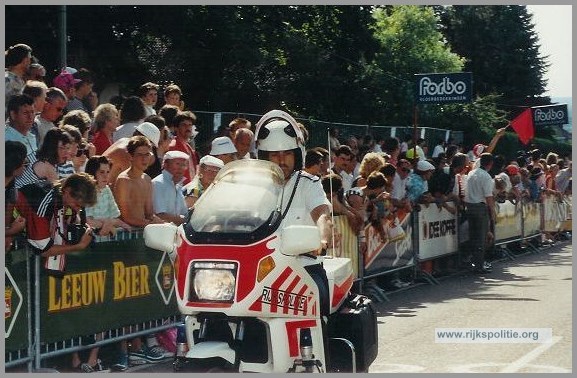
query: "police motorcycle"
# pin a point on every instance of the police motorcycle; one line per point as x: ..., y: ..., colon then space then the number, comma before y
x: 249, y: 304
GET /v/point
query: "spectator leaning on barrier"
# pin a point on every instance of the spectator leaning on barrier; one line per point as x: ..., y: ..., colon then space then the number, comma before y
x: 480, y: 211
x: 133, y: 188
x: 49, y: 210
x: 167, y: 198
x: 104, y: 215
x: 207, y: 170
x: 118, y: 153
x: 562, y: 178
x: 418, y: 186
x: 399, y: 185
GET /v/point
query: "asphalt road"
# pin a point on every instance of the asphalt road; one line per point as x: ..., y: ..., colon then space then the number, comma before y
x: 532, y: 291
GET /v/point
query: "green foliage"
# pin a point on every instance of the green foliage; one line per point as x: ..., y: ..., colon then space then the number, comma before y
x: 350, y: 64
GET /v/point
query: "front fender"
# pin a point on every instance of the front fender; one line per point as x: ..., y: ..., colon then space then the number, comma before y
x: 210, y: 349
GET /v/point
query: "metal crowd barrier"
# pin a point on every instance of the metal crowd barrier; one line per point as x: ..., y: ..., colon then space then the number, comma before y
x: 124, y: 289
x: 118, y: 287
x: 432, y: 232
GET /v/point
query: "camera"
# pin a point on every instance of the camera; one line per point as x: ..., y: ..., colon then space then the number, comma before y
x: 75, y: 232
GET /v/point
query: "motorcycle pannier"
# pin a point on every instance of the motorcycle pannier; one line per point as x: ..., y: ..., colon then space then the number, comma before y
x: 356, y: 321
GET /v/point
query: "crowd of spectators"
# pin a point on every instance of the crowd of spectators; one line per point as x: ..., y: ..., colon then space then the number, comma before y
x: 136, y: 164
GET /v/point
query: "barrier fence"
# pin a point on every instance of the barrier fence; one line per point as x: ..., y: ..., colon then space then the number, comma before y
x: 119, y: 287
x: 123, y: 289
x: 433, y: 232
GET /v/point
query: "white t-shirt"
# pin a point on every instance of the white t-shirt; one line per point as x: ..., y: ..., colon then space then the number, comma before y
x: 438, y: 149
x: 479, y: 186
x: 399, y: 187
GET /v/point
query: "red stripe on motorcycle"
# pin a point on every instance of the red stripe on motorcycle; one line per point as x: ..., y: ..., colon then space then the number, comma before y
x: 275, y: 286
x: 339, y: 292
x: 289, y: 289
x: 292, y: 337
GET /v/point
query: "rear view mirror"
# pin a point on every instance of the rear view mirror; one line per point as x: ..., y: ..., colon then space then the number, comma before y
x: 160, y: 236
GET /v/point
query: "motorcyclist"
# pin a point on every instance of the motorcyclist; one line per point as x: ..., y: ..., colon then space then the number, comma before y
x: 279, y: 140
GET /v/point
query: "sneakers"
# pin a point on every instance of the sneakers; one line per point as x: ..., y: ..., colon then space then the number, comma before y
x: 145, y: 355
x: 122, y: 364
x: 157, y: 349
x: 98, y: 368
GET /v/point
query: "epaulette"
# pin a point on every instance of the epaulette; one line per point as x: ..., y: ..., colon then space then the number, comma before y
x: 313, y: 178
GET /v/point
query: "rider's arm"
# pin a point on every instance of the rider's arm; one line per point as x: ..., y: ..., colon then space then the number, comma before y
x: 322, y: 217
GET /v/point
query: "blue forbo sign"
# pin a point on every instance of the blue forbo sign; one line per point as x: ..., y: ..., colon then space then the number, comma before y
x: 442, y: 88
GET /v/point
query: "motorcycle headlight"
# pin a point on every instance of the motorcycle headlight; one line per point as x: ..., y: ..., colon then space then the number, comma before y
x: 213, y: 281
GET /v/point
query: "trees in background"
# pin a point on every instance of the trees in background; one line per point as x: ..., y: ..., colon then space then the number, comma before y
x: 341, y: 63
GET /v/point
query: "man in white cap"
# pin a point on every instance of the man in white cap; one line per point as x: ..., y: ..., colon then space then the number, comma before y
x: 167, y: 198
x: 184, y: 130
x: 224, y: 149
x: 118, y: 155
x: 280, y: 140
x: 417, y: 185
x: 207, y: 170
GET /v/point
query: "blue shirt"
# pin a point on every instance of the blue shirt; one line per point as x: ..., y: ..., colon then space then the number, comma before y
x: 416, y: 186
x: 167, y: 196
x: 29, y: 140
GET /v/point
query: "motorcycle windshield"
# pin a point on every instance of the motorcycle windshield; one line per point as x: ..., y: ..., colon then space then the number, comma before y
x: 243, y: 200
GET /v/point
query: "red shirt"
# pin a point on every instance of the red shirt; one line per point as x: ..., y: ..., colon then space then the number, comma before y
x: 101, y: 142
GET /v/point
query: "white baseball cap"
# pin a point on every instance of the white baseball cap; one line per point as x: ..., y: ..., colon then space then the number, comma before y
x: 212, y: 161
x: 169, y: 155
x: 424, y: 166
x: 150, y: 131
x: 222, y: 145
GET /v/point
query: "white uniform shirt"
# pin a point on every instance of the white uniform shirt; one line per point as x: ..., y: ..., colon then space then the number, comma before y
x: 308, y: 196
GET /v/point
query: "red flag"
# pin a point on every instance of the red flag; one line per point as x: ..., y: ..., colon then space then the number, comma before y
x: 523, y: 126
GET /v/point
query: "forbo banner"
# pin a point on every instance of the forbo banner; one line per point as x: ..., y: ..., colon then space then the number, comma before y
x: 443, y: 88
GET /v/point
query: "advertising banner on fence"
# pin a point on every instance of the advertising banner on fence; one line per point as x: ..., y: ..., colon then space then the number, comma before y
x: 509, y: 224
x: 531, y: 219
x: 441, y: 88
x: 390, y: 248
x: 554, y: 213
x: 107, y: 286
x: 437, y: 232
x: 346, y: 244
x: 16, y: 298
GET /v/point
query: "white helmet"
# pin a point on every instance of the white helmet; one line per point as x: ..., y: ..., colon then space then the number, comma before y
x: 278, y: 131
